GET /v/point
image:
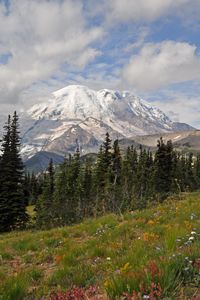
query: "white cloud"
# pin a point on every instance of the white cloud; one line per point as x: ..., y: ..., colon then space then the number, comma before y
x: 182, y: 108
x: 158, y: 65
x: 42, y: 35
x: 142, y: 10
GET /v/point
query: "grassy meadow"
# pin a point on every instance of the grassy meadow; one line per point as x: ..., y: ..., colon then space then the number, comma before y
x: 148, y: 254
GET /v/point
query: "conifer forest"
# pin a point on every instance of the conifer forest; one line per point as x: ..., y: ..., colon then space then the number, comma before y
x: 77, y: 189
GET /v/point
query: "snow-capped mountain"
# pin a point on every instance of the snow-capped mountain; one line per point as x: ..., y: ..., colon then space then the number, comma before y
x: 77, y: 115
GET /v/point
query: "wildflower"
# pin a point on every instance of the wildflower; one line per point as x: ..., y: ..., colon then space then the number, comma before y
x: 151, y: 222
x: 192, y: 216
x: 108, y: 258
x: 146, y: 297
x: 149, y: 236
x: 158, y: 249
x: 106, y: 283
x: 178, y: 240
x: 125, y: 267
x: 193, y: 233
x: 58, y: 258
x: 154, y: 269
x: 191, y: 238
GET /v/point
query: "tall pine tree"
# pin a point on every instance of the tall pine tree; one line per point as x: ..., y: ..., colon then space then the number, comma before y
x: 12, y: 201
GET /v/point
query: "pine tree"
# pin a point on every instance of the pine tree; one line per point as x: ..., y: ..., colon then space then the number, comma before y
x: 88, y: 200
x: 6, y: 217
x: 197, y: 171
x: 163, y: 169
x: 99, y: 182
x: 12, y: 201
x: 62, y: 193
x: 103, y: 176
x: 44, y: 204
x: 143, y: 187
x: 116, y: 202
x: 74, y: 205
x: 107, y: 155
x: 190, y: 176
x: 19, y: 203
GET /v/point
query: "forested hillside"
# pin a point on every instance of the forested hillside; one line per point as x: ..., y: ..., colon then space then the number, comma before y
x: 77, y: 189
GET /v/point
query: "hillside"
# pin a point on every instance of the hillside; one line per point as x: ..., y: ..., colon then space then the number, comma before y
x: 154, y: 251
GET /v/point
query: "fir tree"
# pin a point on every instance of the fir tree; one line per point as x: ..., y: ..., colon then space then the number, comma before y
x: 6, y: 213
x: 103, y: 176
x: 190, y: 176
x: 44, y: 204
x: 88, y: 203
x: 197, y: 171
x: 62, y: 194
x: 163, y: 168
x: 12, y: 201
x: 116, y: 203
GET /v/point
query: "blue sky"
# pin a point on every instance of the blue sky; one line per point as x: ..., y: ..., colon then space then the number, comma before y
x: 150, y: 47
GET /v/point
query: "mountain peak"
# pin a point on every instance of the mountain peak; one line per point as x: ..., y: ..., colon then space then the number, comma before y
x: 69, y: 89
x: 77, y: 113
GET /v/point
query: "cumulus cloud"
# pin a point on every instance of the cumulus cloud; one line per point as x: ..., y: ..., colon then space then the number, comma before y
x: 160, y: 64
x: 40, y: 36
x: 181, y: 108
x: 143, y: 10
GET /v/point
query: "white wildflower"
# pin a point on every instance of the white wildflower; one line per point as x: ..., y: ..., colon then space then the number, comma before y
x: 193, y: 233
x: 108, y: 258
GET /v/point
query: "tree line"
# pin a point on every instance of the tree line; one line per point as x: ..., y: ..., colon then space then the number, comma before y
x: 75, y: 190
x: 114, y: 183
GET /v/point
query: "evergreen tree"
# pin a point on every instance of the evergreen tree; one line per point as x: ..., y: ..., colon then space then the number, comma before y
x: 107, y: 155
x: 6, y: 217
x: 143, y: 188
x: 197, y: 171
x: 44, y: 204
x: 116, y: 203
x: 129, y: 175
x: 19, y: 203
x: 62, y: 193
x: 103, y: 175
x: 163, y: 168
x: 12, y: 201
x: 88, y: 203
x: 99, y: 183
x: 190, y: 176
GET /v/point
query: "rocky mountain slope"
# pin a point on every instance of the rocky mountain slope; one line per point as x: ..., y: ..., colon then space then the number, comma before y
x: 78, y: 116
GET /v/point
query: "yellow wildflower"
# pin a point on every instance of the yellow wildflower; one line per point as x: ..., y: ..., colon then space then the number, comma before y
x: 125, y: 267
x: 151, y: 222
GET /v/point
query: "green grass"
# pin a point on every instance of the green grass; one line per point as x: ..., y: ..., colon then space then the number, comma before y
x: 117, y: 253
